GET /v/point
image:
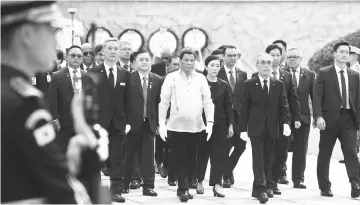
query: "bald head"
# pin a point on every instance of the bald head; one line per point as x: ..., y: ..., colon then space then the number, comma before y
x: 86, y: 46
x: 165, y: 52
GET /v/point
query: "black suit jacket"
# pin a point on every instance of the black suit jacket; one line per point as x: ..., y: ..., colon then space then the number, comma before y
x: 304, y: 91
x: 327, y: 96
x: 241, y: 77
x: 159, y: 68
x: 137, y: 101
x: 254, y: 115
x: 290, y: 91
x: 113, y: 107
x: 61, y: 94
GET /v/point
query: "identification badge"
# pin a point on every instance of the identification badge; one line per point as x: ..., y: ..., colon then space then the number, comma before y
x: 48, y: 78
x: 33, y: 80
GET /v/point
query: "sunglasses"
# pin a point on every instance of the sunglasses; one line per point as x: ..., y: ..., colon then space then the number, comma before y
x: 88, y: 52
x: 76, y: 55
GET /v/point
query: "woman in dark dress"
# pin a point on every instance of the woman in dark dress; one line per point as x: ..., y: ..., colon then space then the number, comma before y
x: 217, y: 146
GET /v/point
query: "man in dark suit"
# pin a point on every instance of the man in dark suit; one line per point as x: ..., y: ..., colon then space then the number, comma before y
x: 337, y: 114
x: 303, y: 80
x: 282, y: 144
x: 114, y: 107
x: 65, y: 84
x: 159, y: 68
x: 88, y: 57
x: 236, y: 78
x: 125, y: 56
x: 263, y: 109
x: 145, y: 91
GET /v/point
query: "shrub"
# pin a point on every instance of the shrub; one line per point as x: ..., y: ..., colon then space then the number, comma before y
x: 324, y: 56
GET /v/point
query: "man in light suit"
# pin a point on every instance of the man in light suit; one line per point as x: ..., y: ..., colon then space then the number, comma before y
x: 303, y: 80
x: 114, y: 107
x: 337, y: 115
x: 263, y: 109
x: 65, y: 83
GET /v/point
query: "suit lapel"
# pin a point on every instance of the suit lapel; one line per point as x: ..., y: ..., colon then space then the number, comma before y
x: 222, y: 74
x: 271, y: 87
x: 351, y: 81
x: 149, y: 88
x: 68, y: 78
x: 84, y: 80
x: 138, y: 83
x: 336, y: 81
x: 302, y: 78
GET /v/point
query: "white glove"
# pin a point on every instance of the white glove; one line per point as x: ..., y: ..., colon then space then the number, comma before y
x: 163, y: 132
x: 287, y: 130
x: 73, y: 153
x: 127, y: 129
x: 244, y: 136
x: 103, y: 143
x: 209, y: 130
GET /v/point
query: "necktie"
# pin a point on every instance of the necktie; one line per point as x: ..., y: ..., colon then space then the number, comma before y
x: 111, y: 77
x: 76, y: 84
x: 343, y: 90
x: 294, y: 78
x: 275, y: 74
x: 126, y: 67
x: 144, y: 87
x: 232, y: 81
x: 265, y: 89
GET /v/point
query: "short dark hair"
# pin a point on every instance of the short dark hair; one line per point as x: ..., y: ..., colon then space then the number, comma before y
x: 136, y: 53
x: 281, y: 42
x: 73, y: 46
x: 221, y: 47
x: 341, y: 43
x: 217, y: 52
x: 98, y: 48
x: 211, y: 58
x: 272, y: 47
x: 188, y: 51
x: 228, y: 47
x: 59, y: 55
x: 172, y: 57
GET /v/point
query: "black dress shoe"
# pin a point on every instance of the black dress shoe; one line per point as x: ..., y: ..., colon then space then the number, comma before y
x: 255, y: 194
x: 231, y: 179
x: 183, y: 197
x: 217, y: 194
x: 105, y: 171
x: 200, y: 191
x: 300, y: 185
x: 149, y: 192
x: 186, y: 193
x: 355, y: 191
x: 134, y: 185
x: 270, y: 193
x: 342, y: 161
x: 226, y: 183
x: 276, y: 191
x: 125, y: 190
x: 327, y: 193
x: 263, y: 198
x: 189, y: 195
x: 162, y: 171
x: 118, y: 198
x: 193, y: 184
x: 171, y: 183
x: 283, y: 180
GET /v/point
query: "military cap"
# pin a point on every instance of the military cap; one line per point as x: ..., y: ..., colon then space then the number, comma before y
x: 33, y: 11
x: 354, y: 49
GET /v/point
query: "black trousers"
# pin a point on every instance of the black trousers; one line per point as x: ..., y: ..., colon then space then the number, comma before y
x: 140, y: 145
x: 116, y: 157
x: 217, y: 148
x: 345, y: 131
x: 63, y: 138
x: 300, y: 147
x: 184, y: 147
x: 169, y: 162
x: 263, y: 148
x: 281, y: 154
x: 239, y: 148
x: 159, y: 150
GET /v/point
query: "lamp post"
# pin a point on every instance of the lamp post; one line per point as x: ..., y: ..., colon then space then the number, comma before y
x: 72, y: 12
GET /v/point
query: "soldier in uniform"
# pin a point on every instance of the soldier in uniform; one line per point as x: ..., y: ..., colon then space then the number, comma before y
x: 33, y: 169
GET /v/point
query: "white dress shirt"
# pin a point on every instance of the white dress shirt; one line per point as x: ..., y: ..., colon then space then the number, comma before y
x: 123, y: 64
x: 346, y: 83
x: 227, y: 70
x: 142, y: 78
x: 107, y: 69
x: 87, y: 68
x: 188, y: 96
x: 267, y: 83
x: 297, y: 74
x: 78, y: 85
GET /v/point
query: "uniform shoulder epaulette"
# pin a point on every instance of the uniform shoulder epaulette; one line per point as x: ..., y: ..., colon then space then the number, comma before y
x: 23, y: 88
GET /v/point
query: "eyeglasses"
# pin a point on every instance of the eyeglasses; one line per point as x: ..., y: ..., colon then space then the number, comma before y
x: 231, y: 56
x: 76, y: 55
x: 88, y: 52
x: 100, y: 54
x: 126, y: 49
x: 265, y: 62
x: 293, y: 57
